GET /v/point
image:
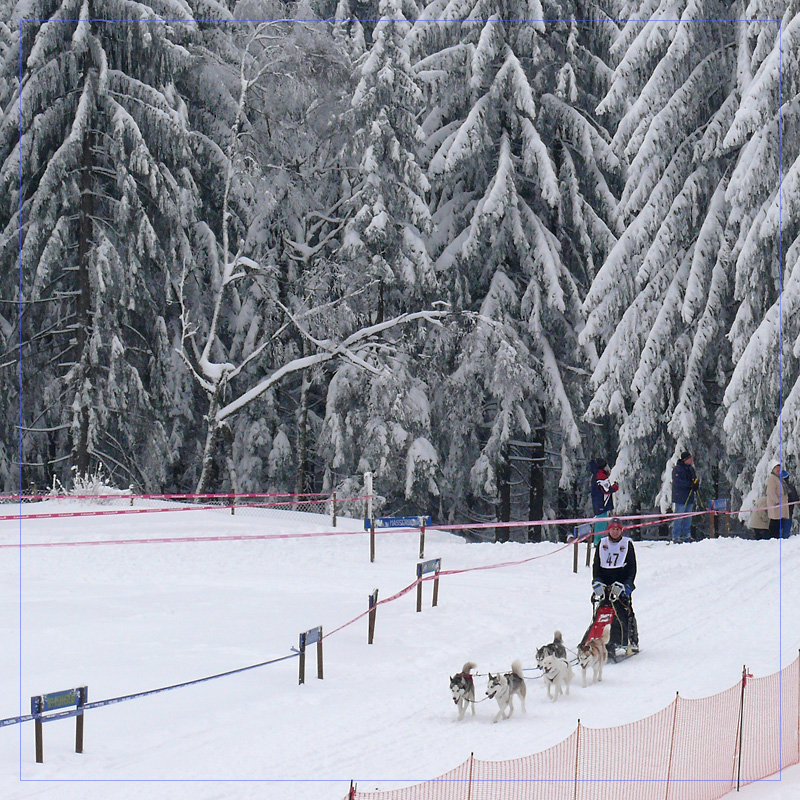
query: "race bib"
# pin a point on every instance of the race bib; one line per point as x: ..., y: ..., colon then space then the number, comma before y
x: 613, y: 554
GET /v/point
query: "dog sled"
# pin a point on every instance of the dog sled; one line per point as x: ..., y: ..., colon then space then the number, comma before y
x: 624, y: 631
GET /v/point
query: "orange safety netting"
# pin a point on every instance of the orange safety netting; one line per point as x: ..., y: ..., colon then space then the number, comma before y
x: 690, y: 750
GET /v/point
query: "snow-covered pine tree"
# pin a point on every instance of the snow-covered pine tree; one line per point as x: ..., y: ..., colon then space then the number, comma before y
x: 510, y: 232
x: 385, y: 245
x: 655, y: 305
x: 761, y: 399
x: 99, y: 195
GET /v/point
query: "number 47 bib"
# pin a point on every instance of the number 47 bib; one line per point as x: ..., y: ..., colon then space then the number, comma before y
x: 613, y: 554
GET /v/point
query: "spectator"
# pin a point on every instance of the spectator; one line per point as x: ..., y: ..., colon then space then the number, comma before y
x: 759, y: 519
x: 791, y: 496
x: 684, y: 488
x: 602, y: 494
x: 777, y: 500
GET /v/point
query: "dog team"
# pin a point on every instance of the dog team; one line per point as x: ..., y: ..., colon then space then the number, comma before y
x: 556, y: 671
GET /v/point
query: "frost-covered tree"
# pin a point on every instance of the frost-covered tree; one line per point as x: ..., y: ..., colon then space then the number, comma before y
x: 523, y: 208
x: 655, y: 305
x: 761, y: 399
x: 99, y: 168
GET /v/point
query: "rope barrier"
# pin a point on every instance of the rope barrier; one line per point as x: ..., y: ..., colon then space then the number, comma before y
x: 136, y: 695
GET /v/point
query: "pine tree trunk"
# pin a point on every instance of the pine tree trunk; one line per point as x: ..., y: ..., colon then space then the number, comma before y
x: 302, y: 482
x: 80, y: 457
x: 536, y: 492
x: 504, y: 487
x: 211, y: 442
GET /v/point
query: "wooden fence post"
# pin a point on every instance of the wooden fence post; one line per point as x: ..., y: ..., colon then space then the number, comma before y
x: 302, y: 658
x: 422, y: 540
x: 372, y: 541
x: 575, y: 556
x: 319, y: 655
x: 373, y: 603
x: 741, y: 731
x: 671, y: 745
x: 333, y: 510
x: 419, y: 587
x: 435, y: 589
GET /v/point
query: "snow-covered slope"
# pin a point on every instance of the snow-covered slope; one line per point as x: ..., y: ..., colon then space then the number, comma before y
x: 128, y: 618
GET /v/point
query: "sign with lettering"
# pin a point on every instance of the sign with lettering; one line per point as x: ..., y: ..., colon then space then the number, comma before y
x: 429, y: 566
x: 398, y: 522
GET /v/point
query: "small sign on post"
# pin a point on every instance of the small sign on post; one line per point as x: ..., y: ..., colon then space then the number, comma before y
x: 396, y: 522
x: 44, y: 703
x: 578, y: 533
x: 309, y: 638
x: 373, y: 607
x: 720, y: 504
x: 434, y: 565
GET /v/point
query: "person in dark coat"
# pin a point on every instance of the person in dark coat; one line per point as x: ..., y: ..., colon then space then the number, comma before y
x: 684, y: 489
x: 613, y: 576
x: 602, y: 490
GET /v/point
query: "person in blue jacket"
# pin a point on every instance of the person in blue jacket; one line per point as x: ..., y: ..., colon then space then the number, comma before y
x: 684, y: 489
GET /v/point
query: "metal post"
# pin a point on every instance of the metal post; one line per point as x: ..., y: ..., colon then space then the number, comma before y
x: 373, y: 603
x: 469, y: 785
x: 130, y: 489
x: 422, y: 540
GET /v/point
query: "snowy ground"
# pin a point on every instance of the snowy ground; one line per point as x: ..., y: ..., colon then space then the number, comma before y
x: 123, y: 619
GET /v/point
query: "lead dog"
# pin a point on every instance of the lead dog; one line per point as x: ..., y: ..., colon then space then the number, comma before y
x: 503, y: 686
x: 557, y: 672
x: 594, y: 654
x: 462, y: 687
x: 555, y: 648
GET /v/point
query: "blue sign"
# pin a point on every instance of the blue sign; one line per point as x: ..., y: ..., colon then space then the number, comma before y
x: 719, y: 505
x: 579, y: 531
x: 314, y: 635
x: 56, y: 700
x: 429, y: 566
x: 398, y: 522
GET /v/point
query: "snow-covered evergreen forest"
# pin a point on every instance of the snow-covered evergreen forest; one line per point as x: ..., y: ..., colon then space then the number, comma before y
x: 467, y: 246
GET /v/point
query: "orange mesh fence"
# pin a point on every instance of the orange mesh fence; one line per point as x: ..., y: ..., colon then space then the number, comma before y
x: 771, y: 710
x: 690, y: 750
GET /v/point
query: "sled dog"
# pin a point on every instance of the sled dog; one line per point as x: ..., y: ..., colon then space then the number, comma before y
x: 594, y: 654
x: 462, y: 687
x: 557, y: 673
x: 503, y: 686
x: 555, y: 648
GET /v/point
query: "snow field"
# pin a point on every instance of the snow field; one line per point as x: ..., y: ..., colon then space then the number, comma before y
x: 130, y: 618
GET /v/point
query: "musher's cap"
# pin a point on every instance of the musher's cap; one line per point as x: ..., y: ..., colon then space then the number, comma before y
x: 616, y: 522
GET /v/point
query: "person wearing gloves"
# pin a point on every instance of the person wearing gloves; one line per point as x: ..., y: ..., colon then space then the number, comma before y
x: 602, y: 489
x: 777, y: 499
x: 684, y: 488
x: 613, y: 576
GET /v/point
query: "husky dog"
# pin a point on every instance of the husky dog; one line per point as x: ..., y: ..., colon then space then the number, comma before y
x: 555, y: 648
x: 557, y: 671
x: 594, y: 654
x: 502, y: 687
x: 462, y: 687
